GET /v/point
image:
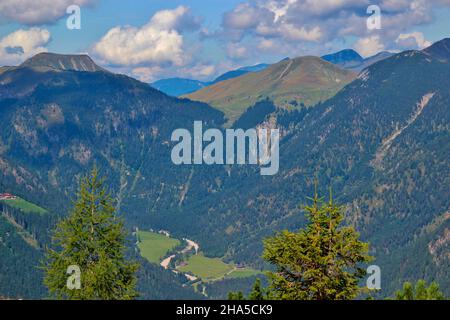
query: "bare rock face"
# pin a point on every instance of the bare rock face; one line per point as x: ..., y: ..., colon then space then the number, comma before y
x: 63, y: 62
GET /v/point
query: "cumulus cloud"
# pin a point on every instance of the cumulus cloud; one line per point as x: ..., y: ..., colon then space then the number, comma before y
x: 147, y: 74
x: 32, y: 12
x: 22, y: 44
x: 296, y: 24
x: 158, y: 42
x: 266, y: 44
x: 300, y: 33
x: 414, y: 40
x: 236, y: 51
x: 267, y: 19
x: 156, y: 49
x: 200, y: 71
x: 246, y: 16
x: 369, y: 46
x: 179, y: 19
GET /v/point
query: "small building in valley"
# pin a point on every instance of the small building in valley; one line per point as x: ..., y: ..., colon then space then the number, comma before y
x: 7, y: 196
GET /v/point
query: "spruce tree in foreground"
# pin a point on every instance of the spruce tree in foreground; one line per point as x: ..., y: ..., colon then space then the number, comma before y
x: 321, y: 262
x: 91, y: 238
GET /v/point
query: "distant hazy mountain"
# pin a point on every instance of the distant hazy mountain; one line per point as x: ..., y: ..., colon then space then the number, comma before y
x: 347, y: 58
x: 351, y: 60
x: 304, y: 80
x: 239, y: 72
x: 180, y: 86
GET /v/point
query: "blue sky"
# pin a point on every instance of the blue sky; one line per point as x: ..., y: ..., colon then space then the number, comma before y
x: 152, y: 39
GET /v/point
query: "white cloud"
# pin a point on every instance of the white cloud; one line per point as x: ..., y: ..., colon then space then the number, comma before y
x: 278, y: 9
x: 298, y: 24
x: 134, y: 46
x: 325, y: 7
x: 198, y: 71
x: 246, y: 16
x: 158, y: 42
x: 266, y: 44
x: 178, y: 19
x: 300, y: 33
x: 22, y: 44
x: 146, y: 74
x: 395, y: 5
x: 157, y: 49
x: 414, y: 40
x: 33, y: 12
x: 369, y: 46
x: 236, y: 51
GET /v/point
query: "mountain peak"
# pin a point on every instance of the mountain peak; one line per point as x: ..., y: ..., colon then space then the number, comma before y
x: 288, y: 83
x: 343, y: 56
x: 62, y: 62
x: 439, y: 50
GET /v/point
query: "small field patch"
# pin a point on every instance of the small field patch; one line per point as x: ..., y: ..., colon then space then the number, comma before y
x: 207, y: 269
x: 154, y: 246
x: 25, y: 206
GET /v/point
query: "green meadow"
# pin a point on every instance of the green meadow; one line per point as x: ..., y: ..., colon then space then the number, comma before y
x: 207, y: 269
x: 212, y: 269
x: 154, y: 246
x: 24, y: 205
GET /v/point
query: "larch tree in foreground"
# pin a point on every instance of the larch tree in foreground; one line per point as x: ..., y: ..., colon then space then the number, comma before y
x: 92, y: 240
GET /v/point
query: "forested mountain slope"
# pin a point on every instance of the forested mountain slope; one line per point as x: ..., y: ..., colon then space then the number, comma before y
x: 57, y: 123
x: 382, y: 143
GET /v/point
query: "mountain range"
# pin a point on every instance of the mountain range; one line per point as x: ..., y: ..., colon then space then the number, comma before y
x: 297, y: 84
x: 351, y: 60
x: 180, y: 86
x: 380, y: 139
x: 289, y: 83
x: 347, y: 59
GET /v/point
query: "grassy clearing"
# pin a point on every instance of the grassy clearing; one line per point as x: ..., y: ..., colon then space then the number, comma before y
x: 24, y: 205
x: 207, y: 269
x: 154, y: 246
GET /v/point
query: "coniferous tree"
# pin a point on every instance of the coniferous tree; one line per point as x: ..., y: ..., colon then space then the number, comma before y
x: 321, y: 262
x: 257, y: 292
x: 419, y: 292
x: 236, y: 296
x: 91, y: 238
